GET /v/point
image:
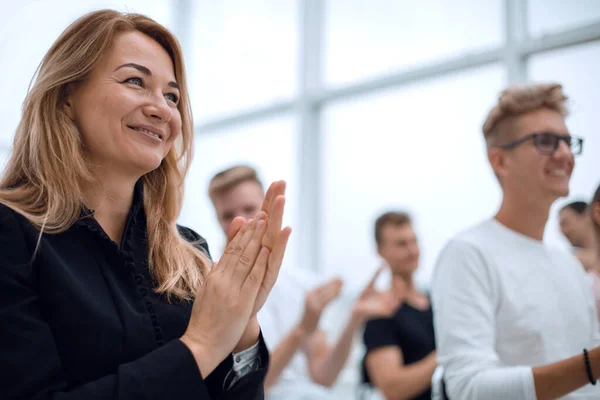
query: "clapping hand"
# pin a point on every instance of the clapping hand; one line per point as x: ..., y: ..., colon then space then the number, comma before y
x: 373, y: 303
x: 315, y: 302
x: 224, y: 313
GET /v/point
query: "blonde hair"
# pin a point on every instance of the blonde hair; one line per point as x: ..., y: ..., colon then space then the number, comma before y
x: 230, y: 178
x: 518, y: 100
x: 46, y: 171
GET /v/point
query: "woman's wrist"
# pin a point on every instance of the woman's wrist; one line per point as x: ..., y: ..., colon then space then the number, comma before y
x: 249, y: 337
x: 206, y: 363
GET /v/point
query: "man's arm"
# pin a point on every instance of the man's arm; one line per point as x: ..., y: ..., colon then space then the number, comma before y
x: 587, y: 258
x: 465, y: 294
x: 282, y: 354
x: 563, y: 377
x: 389, y: 374
x: 315, y: 302
x: 325, y: 362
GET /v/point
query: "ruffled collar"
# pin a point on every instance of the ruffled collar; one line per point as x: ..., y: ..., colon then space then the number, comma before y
x: 86, y: 216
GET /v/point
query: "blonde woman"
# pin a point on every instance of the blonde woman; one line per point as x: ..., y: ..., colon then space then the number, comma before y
x: 102, y: 295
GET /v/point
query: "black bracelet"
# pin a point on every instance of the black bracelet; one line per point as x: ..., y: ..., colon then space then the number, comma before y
x: 588, y: 367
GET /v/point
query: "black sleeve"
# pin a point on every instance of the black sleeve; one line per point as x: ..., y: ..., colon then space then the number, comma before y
x: 379, y: 333
x: 250, y: 387
x: 29, y: 360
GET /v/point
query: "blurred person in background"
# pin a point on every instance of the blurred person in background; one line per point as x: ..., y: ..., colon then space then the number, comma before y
x: 303, y: 364
x: 576, y: 226
x: 102, y: 294
x: 400, y: 354
x: 594, y: 270
x: 514, y: 318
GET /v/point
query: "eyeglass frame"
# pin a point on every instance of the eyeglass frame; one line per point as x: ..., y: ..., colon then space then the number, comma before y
x: 568, y: 139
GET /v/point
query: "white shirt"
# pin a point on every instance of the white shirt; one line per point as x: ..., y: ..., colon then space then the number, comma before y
x: 503, y: 303
x: 280, y: 314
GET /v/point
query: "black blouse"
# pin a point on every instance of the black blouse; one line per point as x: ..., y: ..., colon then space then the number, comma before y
x: 80, y: 319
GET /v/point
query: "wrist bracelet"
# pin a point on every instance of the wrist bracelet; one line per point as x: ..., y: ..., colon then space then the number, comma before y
x: 588, y: 367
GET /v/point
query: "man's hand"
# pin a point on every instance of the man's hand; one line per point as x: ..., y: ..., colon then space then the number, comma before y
x: 379, y: 304
x: 315, y: 302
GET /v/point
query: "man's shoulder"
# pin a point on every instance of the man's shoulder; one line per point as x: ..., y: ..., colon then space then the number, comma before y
x: 473, y: 238
x: 471, y: 251
x: 477, y: 233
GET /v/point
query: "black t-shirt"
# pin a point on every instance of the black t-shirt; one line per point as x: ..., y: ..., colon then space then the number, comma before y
x: 410, y: 329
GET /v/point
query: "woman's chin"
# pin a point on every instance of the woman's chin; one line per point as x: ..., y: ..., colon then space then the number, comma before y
x: 147, y: 164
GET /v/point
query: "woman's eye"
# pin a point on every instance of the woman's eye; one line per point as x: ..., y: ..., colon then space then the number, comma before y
x: 172, y: 97
x: 135, y: 81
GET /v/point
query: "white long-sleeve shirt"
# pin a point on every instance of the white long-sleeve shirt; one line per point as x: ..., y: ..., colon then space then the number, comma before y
x: 504, y: 303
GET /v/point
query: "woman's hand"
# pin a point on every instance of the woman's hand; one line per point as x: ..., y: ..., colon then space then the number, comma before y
x: 275, y: 239
x: 226, y: 300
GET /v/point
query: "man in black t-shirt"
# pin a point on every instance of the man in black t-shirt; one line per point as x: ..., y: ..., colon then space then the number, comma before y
x: 401, y: 358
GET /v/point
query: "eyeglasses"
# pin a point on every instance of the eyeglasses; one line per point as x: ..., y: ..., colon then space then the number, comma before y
x: 547, y: 143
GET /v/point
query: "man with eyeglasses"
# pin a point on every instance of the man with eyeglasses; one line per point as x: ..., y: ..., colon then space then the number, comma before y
x: 514, y: 318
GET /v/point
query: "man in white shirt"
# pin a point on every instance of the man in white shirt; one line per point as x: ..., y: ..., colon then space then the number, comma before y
x: 303, y: 364
x: 513, y: 316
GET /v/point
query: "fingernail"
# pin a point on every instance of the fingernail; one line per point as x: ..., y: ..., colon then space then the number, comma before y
x: 260, y: 224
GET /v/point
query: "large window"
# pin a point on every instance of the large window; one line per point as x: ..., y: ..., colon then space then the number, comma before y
x: 576, y: 68
x: 269, y: 146
x: 550, y: 16
x: 366, y: 38
x: 417, y: 148
x: 244, y: 54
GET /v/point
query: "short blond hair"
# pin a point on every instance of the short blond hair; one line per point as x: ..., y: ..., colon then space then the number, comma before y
x: 394, y: 218
x: 230, y: 178
x: 518, y: 100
